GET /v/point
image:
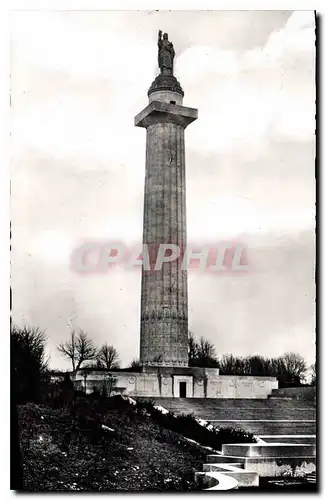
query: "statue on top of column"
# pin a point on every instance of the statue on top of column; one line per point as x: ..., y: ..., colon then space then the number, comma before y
x: 165, y: 54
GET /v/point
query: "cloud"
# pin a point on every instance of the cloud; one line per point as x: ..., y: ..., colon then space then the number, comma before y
x: 253, y: 91
x: 296, y: 38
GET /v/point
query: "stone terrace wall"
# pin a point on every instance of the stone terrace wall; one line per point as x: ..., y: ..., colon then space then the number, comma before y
x: 234, y: 387
x: 201, y: 383
x: 307, y: 393
x: 131, y: 383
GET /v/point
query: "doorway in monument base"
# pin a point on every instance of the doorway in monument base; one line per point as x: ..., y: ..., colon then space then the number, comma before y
x: 182, y: 389
x: 182, y: 386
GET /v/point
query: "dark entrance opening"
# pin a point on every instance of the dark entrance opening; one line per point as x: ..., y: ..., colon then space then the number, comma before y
x: 172, y: 102
x: 183, y: 389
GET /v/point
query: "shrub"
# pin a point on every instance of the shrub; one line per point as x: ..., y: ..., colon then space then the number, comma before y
x: 29, y: 371
x: 188, y: 426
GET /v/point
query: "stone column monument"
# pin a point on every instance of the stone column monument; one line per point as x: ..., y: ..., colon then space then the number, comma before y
x: 164, y: 297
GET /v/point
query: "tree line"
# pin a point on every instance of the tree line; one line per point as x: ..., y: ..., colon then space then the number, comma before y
x: 30, y: 370
x: 290, y: 368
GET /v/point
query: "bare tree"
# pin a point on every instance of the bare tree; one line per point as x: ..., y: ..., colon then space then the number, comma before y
x: 192, y: 348
x: 232, y: 365
x: 292, y: 368
x: 206, y: 349
x: 257, y: 366
x: 201, y: 352
x: 313, y: 374
x: 78, y: 349
x: 107, y: 357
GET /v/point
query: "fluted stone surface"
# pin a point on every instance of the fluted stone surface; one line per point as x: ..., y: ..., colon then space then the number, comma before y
x: 164, y: 295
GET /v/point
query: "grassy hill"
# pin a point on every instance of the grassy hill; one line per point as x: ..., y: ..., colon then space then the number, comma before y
x: 65, y: 452
x: 91, y: 443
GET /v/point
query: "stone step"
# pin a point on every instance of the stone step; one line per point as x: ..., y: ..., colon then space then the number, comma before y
x: 280, y: 397
x: 240, y: 409
x: 270, y: 427
x: 293, y: 438
x: 262, y: 416
x: 216, y: 481
x: 245, y: 478
x: 217, y: 466
x: 255, y: 450
x: 225, y: 402
x: 267, y: 466
x: 220, y: 459
x: 267, y: 413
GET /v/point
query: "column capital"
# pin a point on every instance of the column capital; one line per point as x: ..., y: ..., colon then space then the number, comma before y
x: 162, y: 112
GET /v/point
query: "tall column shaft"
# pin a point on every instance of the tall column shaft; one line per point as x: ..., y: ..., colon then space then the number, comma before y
x: 164, y: 304
x: 164, y: 294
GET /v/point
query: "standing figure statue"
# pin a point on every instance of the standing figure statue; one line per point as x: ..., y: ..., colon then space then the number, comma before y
x: 165, y: 54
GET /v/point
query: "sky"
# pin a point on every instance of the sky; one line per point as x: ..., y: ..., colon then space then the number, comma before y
x: 78, y: 164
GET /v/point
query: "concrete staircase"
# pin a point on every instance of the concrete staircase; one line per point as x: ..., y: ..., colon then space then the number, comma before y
x: 259, y: 416
x: 246, y: 462
x: 286, y: 428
